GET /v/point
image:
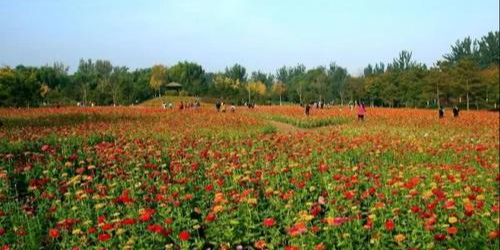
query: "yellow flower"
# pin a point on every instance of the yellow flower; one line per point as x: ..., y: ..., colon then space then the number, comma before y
x: 99, y: 206
x: 399, y: 238
x: 452, y: 220
x: 120, y: 231
x: 252, y: 201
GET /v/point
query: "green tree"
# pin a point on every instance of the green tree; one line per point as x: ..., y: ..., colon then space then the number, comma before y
x: 86, y: 79
x: 236, y: 72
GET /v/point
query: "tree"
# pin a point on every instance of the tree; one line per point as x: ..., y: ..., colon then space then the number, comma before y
x: 492, y: 83
x: 7, y: 80
x: 489, y: 51
x: 465, y: 49
x: 158, y: 74
x: 403, y: 62
x: 236, y: 72
x: 278, y: 89
x: 257, y: 88
x: 338, y: 76
x: 85, y: 77
x: 190, y: 75
x: 467, y: 71
x: 267, y: 79
x: 117, y: 82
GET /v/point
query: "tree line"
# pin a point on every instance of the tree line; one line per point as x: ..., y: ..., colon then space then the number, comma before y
x: 468, y: 76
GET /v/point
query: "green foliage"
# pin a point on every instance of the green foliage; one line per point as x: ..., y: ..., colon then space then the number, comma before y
x: 466, y: 77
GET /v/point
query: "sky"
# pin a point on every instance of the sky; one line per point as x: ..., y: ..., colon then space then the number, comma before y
x: 258, y: 34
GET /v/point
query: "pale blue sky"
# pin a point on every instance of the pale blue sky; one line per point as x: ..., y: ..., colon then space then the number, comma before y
x: 259, y: 34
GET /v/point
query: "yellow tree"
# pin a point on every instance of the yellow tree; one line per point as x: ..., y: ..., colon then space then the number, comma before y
x: 158, y: 73
x: 44, y: 90
x: 257, y: 88
x: 278, y: 89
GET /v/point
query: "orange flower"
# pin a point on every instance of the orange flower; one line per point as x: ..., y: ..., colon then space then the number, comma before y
x: 260, y: 244
x: 297, y: 229
x: 399, y: 238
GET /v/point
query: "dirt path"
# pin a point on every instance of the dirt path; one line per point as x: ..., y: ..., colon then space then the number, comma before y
x: 285, y: 127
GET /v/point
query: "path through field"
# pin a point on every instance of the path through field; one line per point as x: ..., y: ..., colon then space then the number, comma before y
x: 285, y: 127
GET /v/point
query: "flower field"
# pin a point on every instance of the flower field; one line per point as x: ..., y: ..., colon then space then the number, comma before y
x: 149, y: 178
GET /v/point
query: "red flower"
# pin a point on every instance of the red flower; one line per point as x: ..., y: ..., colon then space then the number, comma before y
x: 107, y: 226
x: 291, y: 248
x: 101, y: 219
x: 168, y: 221
x: 54, y: 233
x: 155, y: 228
x: 124, y: 198
x: 211, y: 217
x: 92, y: 230
x: 389, y: 225
x: 146, y: 215
x: 2, y: 231
x: 104, y: 237
x: 323, y: 168
x: 269, y: 222
x: 415, y: 209
x: 494, y: 234
x: 184, y: 235
x: 128, y: 221
x: 439, y: 237
x: 320, y: 246
x: 349, y: 194
x: 452, y: 230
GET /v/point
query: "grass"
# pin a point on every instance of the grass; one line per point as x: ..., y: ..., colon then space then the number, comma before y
x: 309, y: 123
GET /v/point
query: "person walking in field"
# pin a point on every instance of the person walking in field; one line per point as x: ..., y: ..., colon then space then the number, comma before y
x: 181, y: 105
x: 455, y: 111
x: 217, y: 105
x: 361, y: 111
x: 441, y: 112
x: 222, y: 107
x: 307, y: 109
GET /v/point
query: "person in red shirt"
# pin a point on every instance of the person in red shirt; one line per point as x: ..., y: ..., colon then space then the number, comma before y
x: 361, y: 111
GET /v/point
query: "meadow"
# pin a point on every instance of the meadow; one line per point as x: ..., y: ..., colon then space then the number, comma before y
x: 264, y: 178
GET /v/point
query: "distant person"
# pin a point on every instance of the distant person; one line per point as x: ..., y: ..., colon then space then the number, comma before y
x: 455, y: 111
x: 441, y: 112
x: 170, y: 105
x: 232, y: 108
x: 164, y: 105
x: 307, y: 109
x: 181, y: 105
x: 361, y: 111
x: 218, y: 105
x: 222, y: 107
x: 351, y: 105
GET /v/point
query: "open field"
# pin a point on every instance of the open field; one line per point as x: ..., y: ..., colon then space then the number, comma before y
x: 264, y: 178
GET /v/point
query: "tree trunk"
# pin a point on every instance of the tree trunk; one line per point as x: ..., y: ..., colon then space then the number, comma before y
x: 437, y: 97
